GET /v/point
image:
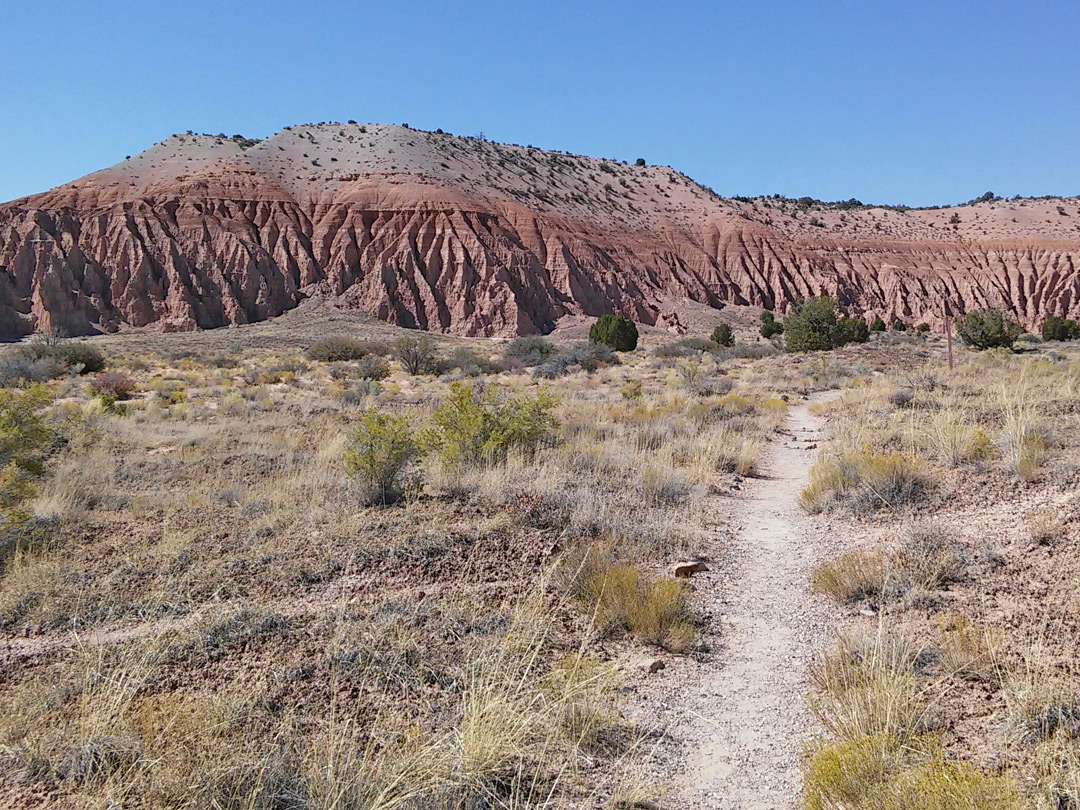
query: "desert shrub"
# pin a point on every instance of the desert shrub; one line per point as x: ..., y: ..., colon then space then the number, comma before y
x: 1045, y: 526
x: 85, y: 358
x: 880, y: 772
x: 723, y: 335
x: 113, y: 386
x: 687, y: 347
x: 877, y: 325
x: 632, y: 391
x: 901, y: 397
x: 373, y: 367
x: 469, y: 362
x: 928, y: 558
x: 862, y: 481
x: 1057, y: 328
x: 770, y: 327
x: 378, y: 456
x: 811, y: 326
x: 616, y: 331
x: 899, y: 326
x: 531, y: 350
x: 47, y: 359
x: 24, y: 437
x: 654, y: 611
x: 416, y: 354
x: 988, y: 329
x: 475, y: 425
x: 337, y: 348
x: 586, y: 356
x: 817, y: 324
x: 69, y: 355
x: 854, y: 575
x: 17, y: 369
x: 850, y: 330
x: 922, y: 328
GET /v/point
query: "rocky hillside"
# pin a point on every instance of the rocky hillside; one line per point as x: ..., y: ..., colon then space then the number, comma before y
x: 466, y: 236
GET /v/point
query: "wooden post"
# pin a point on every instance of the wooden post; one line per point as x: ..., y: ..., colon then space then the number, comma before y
x: 948, y: 331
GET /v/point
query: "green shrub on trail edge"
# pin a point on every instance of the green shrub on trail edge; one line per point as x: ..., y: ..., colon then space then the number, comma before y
x: 474, y: 425
x: 616, y: 331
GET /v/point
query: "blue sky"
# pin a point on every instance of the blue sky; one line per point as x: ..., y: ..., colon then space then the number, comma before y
x: 896, y: 102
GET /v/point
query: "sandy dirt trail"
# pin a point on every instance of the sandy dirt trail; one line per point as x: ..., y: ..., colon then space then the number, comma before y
x: 745, y: 720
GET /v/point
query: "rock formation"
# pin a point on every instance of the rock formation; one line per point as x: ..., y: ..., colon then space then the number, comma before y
x: 465, y: 236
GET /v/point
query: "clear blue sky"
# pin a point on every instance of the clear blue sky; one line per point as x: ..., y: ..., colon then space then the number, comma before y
x: 901, y: 102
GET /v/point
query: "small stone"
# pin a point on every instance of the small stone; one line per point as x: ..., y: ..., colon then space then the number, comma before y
x: 653, y: 666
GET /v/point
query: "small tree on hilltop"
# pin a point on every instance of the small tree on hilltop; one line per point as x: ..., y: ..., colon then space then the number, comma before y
x: 988, y: 329
x: 616, y: 331
x: 723, y: 335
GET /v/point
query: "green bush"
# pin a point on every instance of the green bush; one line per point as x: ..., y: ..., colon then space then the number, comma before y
x: 616, y: 331
x: 988, y: 329
x: 899, y: 326
x: 1057, y: 328
x: 770, y: 326
x: 922, y: 328
x: 877, y: 325
x: 850, y: 330
x: 723, y: 335
x: 473, y: 425
x: 811, y: 326
x: 818, y: 324
x: 378, y: 456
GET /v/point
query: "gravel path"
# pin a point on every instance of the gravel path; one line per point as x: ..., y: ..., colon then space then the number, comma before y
x: 738, y: 717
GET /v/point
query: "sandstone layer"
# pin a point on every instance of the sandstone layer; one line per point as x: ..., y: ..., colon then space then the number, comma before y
x: 470, y: 237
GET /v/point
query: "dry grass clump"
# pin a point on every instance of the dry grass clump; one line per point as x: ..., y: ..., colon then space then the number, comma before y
x: 852, y: 576
x: 866, y: 685
x: 928, y: 557
x: 967, y: 648
x: 862, y: 481
x: 1045, y: 526
x: 654, y: 611
x: 868, y: 698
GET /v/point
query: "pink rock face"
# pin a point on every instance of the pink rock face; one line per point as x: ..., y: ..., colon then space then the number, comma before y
x: 464, y: 236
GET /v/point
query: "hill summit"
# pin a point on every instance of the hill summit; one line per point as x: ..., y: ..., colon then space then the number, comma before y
x: 462, y: 235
